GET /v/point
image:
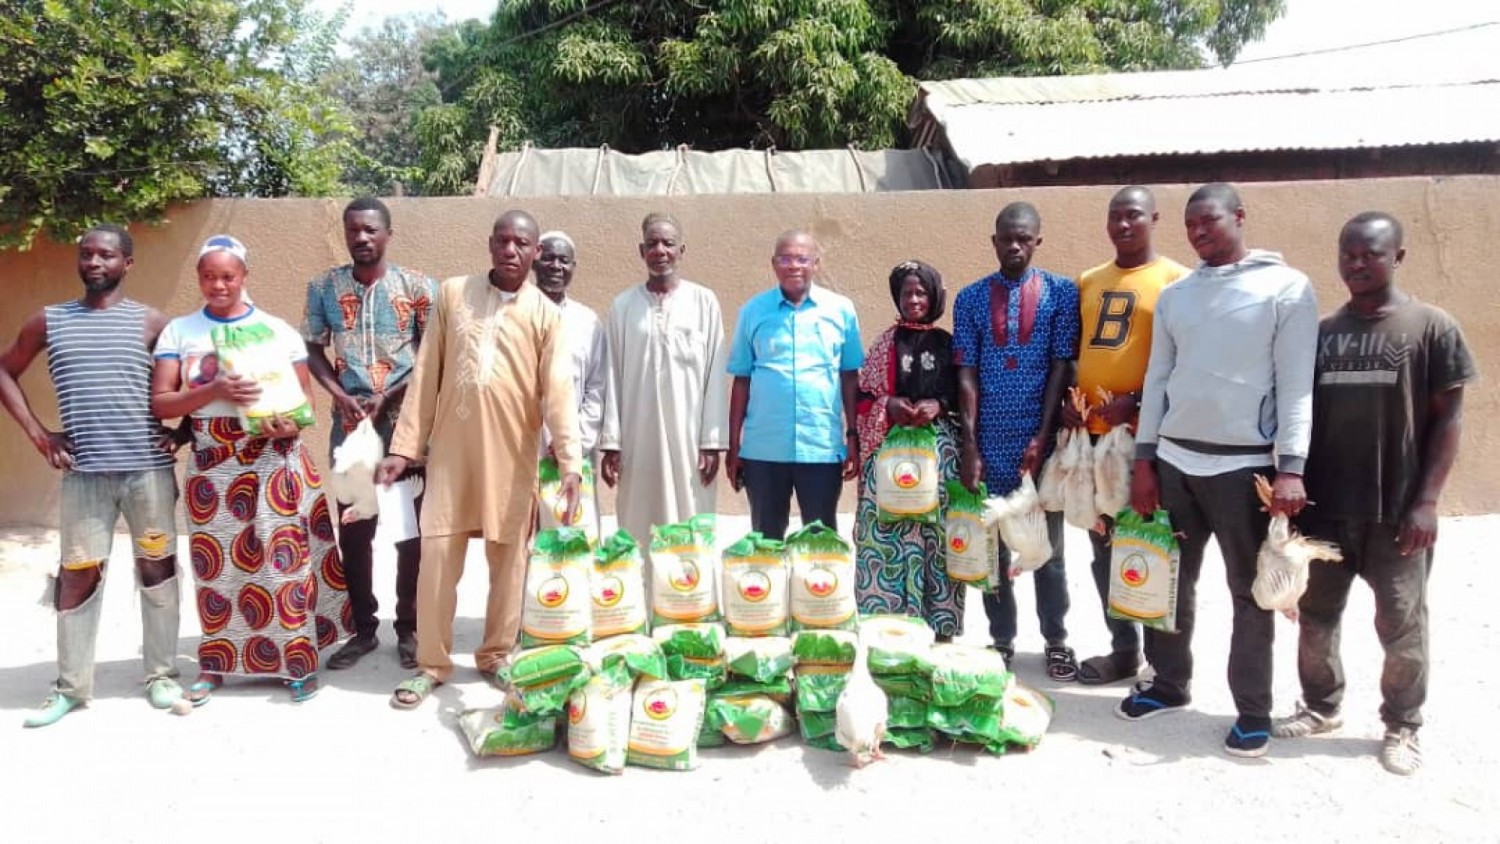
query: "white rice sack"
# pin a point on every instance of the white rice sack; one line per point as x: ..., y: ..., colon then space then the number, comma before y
x: 552, y: 507
x: 1025, y: 716
x: 665, y: 717
x: 684, y: 573
x: 618, y: 588
x: 822, y: 579
x: 599, y: 724
x: 969, y: 543
x: 558, y: 608
x: 907, y: 476
x: 896, y: 644
x: 756, y: 576
x: 752, y: 719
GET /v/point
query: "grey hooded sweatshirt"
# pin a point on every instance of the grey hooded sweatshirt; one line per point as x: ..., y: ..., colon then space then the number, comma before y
x: 1232, y: 354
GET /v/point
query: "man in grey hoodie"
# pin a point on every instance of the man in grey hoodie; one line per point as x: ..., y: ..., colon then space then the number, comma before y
x: 1228, y: 396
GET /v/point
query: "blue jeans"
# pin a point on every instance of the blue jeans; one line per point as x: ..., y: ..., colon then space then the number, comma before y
x: 1051, y: 595
x: 90, y: 504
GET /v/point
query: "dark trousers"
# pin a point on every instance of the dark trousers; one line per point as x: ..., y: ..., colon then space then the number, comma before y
x: 1226, y: 508
x: 356, y: 541
x: 1051, y: 595
x: 1124, y: 636
x: 769, y: 486
x: 1400, y: 587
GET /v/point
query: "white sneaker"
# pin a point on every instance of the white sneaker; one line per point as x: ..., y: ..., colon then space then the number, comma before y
x: 1401, y: 753
x: 1306, y: 723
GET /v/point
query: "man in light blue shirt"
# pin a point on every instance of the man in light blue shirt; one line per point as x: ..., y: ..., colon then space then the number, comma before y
x: 795, y: 359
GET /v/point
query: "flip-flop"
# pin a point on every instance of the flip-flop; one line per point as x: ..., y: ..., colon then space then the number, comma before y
x: 1103, y: 670
x: 303, y: 690
x: 418, y: 685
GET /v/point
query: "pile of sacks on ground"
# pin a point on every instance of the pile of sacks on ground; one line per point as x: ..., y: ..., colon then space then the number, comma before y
x: 645, y: 665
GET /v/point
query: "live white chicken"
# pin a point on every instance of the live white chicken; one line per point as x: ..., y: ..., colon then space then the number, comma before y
x: 352, y: 481
x: 860, y: 714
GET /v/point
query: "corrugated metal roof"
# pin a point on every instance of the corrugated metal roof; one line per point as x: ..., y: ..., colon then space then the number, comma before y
x: 1295, y: 105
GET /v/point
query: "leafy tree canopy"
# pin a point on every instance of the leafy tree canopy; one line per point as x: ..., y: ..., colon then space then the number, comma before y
x: 113, y: 109
x: 794, y: 74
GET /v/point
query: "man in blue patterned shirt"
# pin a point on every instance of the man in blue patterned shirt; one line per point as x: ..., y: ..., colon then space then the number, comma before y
x: 371, y: 314
x: 1015, y: 337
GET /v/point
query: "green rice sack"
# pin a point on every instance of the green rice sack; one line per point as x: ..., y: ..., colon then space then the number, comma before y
x: 618, y: 588
x: 819, y: 687
x: 558, y: 609
x: 507, y: 731
x: 905, y: 712
x: 254, y: 351
x: 971, y: 550
x: 544, y: 677
x: 815, y: 725
x: 752, y: 719
x: 977, y: 720
x: 665, y: 719
x: 599, y: 723
x: 1144, y: 570
x: 711, y: 733
x: 898, y: 644
x: 693, y: 651
x: 1026, y: 717
x: 638, y: 653
x: 824, y: 647
x: 684, y: 572
x: 779, y: 689
x: 910, y: 738
x: 960, y: 672
x: 551, y: 507
x: 914, y: 686
x: 756, y: 602
x: 822, y: 584
x: 907, y: 476
x: 762, y: 659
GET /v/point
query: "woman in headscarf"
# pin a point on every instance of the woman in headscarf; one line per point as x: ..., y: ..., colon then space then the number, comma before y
x: 908, y: 379
x: 270, y: 582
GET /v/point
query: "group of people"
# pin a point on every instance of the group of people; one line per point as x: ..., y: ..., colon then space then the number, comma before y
x: 1223, y: 371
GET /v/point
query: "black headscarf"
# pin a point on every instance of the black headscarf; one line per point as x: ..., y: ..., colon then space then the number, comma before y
x: 932, y: 282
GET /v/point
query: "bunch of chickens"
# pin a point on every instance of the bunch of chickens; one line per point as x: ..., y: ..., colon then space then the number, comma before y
x: 1281, y: 566
x: 1085, y: 480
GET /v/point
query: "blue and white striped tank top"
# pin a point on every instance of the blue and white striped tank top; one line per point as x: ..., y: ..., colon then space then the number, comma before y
x: 101, y: 371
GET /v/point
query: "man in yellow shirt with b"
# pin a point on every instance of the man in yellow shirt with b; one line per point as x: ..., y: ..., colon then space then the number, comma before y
x: 1117, y: 301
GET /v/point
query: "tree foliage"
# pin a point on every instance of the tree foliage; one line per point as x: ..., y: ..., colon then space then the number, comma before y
x: 794, y: 74
x: 116, y: 108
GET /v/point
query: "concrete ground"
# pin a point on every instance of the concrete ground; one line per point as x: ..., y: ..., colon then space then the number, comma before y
x: 252, y: 766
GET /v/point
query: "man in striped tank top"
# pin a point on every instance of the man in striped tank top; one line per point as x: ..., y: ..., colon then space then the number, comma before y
x: 115, y: 460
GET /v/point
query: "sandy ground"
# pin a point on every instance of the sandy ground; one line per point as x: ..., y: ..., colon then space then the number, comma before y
x: 344, y: 767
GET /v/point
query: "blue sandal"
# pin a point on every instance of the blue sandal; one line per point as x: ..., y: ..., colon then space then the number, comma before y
x: 303, y: 690
x: 201, y: 690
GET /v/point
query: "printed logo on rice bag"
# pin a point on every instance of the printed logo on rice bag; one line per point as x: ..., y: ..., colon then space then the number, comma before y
x: 906, y: 475
x: 607, y: 591
x: 660, y: 704
x: 822, y: 583
x: 557, y: 608
x: 666, y: 717
x: 1135, y: 571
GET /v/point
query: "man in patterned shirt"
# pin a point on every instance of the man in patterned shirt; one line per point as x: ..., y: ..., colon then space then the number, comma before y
x: 372, y: 314
x: 1015, y: 337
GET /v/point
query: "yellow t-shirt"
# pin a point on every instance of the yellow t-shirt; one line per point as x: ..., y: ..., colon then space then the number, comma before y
x: 1117, y: 307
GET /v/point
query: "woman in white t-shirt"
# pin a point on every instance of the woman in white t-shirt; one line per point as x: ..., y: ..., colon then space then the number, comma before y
x: 271, y: 591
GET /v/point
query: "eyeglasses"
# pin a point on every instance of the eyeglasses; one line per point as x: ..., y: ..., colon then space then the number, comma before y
x: 795, y: 260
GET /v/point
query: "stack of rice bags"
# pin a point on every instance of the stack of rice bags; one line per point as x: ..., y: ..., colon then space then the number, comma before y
x: 899, y: 648
x: 750, y: 707
x: 975, y: 700
x: 824, y: 617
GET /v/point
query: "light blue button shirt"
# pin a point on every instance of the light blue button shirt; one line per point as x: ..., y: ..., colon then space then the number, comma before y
x: 793, y: 356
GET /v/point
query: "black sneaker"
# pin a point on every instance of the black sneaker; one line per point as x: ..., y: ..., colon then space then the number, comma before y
x: 352, y: 652
x: 1248, y: 737
x: 1146, y: 701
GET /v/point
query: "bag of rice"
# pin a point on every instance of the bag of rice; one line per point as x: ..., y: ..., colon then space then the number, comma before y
x: 905, y: 712
x: 779, y: 689
x: 898, y: 644
x: 909, y: 738
x: 1143, y: 571
x: 824, y: 647
x: 1026, y: 714
x: 751, y: 719
x: 971, y: 552
x: 819, y: 687
x: 822, y: 579
x: 544, y: 677
x: 693, y: 651
x: 762, y: 659
x: 507, y: 731
x: 665, y: 718
x: 818, y: 729
x: 551, y: 508
x: 914, y: 686
x: 976, y: 720
x: 638, y: 653
x: 961, y: 672
x: 711, y: 733
x: 684, y: 572
x: 557, y: 608
x: 254, y: 351
x: 618, y: 588
x: 756, y: 602
x: 599, y: 724
x: 907, y: 476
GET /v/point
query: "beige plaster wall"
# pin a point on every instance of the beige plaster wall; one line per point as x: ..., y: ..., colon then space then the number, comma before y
x: 1452, y: 225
